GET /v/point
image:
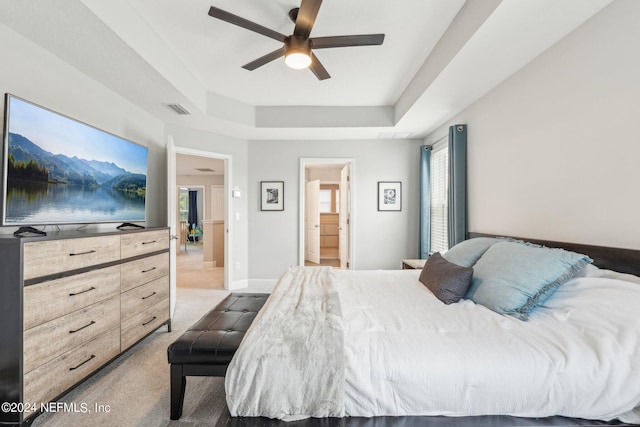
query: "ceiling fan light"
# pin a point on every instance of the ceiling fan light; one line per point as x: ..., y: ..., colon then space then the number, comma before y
x: 297, y: 60
x: 297, y: 52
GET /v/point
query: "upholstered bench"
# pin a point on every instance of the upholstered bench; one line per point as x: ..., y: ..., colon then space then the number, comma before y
x: 207, y: 347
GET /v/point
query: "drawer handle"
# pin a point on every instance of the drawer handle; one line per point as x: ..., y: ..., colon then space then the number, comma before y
x: 151, y: 269
x: 82, y: 253
x: 82, y: 292
x: 147, y: 243
x: 149, y: 296
x: 76, y: 367
x: 146, y: 323
x: 85, y: 326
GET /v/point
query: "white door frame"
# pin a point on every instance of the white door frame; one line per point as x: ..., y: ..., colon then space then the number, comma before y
x: 227, y: 202
x: 312, y: 220
x: 171, y: 221
x: 310, y: 161
x: 343, y: 219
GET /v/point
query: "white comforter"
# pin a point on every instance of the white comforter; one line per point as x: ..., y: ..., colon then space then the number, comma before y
x: 407, y: 353
x: 410, y: 354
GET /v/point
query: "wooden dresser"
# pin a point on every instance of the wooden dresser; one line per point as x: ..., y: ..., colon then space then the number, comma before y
x: 70, y: 303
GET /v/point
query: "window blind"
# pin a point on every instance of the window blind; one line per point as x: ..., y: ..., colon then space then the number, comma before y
x: 439, y: 197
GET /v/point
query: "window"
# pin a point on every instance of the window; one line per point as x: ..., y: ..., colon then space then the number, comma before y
x: 184, y: 205
x: 325, y: 200
x: 440, y: 197
x: 443, y: 192
x: 329, y: 199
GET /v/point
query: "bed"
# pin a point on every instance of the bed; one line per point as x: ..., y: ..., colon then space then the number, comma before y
x: 332, y: 343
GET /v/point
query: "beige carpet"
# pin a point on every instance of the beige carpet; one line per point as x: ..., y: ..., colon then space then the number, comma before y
x: 136, y: 386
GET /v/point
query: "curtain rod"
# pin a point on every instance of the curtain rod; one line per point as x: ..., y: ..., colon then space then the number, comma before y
x: 438, y: 140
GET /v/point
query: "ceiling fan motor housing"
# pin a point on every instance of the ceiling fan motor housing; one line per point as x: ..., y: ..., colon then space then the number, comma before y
x: 297, y: 44
x: 297, y: 51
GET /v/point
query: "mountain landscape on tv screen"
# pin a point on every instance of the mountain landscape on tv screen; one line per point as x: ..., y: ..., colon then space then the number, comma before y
x: 28, y: 162
x: 43, y: 187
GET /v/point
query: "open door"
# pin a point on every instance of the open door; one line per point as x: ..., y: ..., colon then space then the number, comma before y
x: 329, y: 171
x: 171, y: 221
x: 343, y: 218
x: 312, y: 221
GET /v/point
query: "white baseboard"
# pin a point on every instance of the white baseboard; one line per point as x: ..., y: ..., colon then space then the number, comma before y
x: 238, y: 284
x: 254, y: 285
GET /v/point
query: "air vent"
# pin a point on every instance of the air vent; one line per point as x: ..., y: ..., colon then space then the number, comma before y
x: 204, y: 170
x: 178, y: 109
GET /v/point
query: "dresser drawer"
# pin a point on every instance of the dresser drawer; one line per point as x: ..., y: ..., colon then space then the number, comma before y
x: 134, y: 244
x: 140, y: 324
x: 140, y: 298
x: 141, y: 271
x: 47, y: 341
x: 51, y: 379
x: 56, y: 256
x: 54, y: 298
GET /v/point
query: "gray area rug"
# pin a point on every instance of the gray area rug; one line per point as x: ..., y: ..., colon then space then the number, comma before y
x: 133, y: 390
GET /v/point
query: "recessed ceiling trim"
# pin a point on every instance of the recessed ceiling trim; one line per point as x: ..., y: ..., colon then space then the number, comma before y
x: 324, y: 117
x: 395, y: 135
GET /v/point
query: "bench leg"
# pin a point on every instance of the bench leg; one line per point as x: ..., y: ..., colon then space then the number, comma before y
x: 178, y: 382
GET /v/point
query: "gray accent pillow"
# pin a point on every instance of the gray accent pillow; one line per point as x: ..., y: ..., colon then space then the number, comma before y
x: 448, y: 282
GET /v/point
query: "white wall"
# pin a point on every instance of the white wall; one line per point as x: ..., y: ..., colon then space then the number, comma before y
x: 382, y: 239
x: 34, y: 74
x: 554, y: 150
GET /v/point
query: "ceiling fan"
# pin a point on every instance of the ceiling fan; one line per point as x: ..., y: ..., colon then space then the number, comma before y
x: 297, y: 48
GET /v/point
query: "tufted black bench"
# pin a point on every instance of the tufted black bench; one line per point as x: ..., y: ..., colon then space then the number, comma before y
x: 207, y: 347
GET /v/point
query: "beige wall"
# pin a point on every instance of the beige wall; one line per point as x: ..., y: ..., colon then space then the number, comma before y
x: 553, y: 151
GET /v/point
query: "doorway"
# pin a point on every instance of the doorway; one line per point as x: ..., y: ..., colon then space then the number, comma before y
x: 200, y: 256
x: 173, y: 160
x: 326, y: 212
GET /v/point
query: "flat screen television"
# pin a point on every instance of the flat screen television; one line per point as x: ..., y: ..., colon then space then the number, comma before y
x: 57, y: 170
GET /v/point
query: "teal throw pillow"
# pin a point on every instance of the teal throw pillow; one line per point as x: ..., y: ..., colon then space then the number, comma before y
x: 466, y: 253
x: 514, y: 278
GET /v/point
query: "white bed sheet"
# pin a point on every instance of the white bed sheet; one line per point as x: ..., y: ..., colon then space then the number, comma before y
x: 407, y: 353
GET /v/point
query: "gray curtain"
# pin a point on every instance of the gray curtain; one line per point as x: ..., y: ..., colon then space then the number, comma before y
x: 457, y: 184
x: 425, y: 201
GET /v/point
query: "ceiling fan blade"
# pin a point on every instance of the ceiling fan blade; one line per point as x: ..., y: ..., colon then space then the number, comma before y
x: 318, y: 69
x: 214, y: 12
x: 306, y: 17
x: 264, y: 59
x: 346, y: 41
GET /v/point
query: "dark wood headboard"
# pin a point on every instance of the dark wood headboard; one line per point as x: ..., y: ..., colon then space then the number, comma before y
x: 617, y: 259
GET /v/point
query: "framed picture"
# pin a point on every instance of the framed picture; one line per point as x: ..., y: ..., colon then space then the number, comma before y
x: 272, y: 195
x: 390, y: 196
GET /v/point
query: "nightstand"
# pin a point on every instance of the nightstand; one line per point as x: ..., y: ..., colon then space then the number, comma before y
x: 413, y: 264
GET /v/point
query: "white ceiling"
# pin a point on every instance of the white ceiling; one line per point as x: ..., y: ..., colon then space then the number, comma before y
x: 187, y: 165
x: 438, y: 57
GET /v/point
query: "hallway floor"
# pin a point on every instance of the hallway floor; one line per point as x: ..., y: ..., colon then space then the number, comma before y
x: 191, y: 273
